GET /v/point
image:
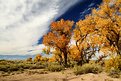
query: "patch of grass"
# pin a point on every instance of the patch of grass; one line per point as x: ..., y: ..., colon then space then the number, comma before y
x: 55, y: 68
x: 87, y: 68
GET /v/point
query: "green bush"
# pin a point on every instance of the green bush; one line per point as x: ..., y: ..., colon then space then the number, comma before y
x: 27, y: 66
x: 114, y: 73
x: 10, y: 68
x: 37, y: 67
x: 3, y: 68
x: 87, y: 68
x: 72, y: 64
x: 113, y: 62
x: 55, y: 68
x: 6, y: 62
x: 13, y: 68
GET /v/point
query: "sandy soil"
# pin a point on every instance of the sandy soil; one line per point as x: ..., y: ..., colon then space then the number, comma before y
x: 57, y: 76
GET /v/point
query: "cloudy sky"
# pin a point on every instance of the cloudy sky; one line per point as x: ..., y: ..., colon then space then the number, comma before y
x: 23, y: 23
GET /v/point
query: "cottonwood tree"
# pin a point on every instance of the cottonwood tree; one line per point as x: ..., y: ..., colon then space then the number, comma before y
x: 108, y: 22
x: 59, y: 37
x: 85, y: 34
x: 100, y: 29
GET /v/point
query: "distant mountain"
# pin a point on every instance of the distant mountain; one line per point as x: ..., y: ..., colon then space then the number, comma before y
x: 20, y: 57
x: 15, y: 57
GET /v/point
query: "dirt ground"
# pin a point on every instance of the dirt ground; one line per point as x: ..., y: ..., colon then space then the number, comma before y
x: 66, y: 75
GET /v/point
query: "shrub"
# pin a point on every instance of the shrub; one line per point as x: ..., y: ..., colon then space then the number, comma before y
x: 87, y: 68
x: 27, y: 66
x: 3, y: 68
x: 113, y: 62
x: 114, y: 73
x: 10, y: 68
x: 13, y: 68
x: 55, y: 68
x: 72, y: 63
x: 37, y: 67
x: 45, y: 64
x: 6, y: 62
x: 78, y: 70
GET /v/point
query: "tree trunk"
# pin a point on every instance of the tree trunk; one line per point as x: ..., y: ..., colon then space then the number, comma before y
x: 81, y: 56
x: 61, y: 60
x: 65, y: 58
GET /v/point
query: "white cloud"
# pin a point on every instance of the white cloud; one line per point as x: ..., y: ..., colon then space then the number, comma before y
x: 23, y: 22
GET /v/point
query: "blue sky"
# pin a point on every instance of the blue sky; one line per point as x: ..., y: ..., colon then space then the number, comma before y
x: 24, y: 22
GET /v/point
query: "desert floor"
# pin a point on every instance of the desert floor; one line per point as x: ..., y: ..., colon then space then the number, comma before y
x: 67, y: 75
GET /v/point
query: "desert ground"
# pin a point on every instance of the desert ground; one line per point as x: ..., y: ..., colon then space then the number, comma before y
x: 66, y: 75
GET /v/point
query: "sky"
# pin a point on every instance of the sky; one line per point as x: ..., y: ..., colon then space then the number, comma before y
x: 24, y: 22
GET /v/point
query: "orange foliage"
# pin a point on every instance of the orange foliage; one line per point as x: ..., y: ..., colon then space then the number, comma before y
x: 37, y: 58
x: 74, y: 53
x: 59, y: 36
x: 102, y: 28
x: 46, y: 50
